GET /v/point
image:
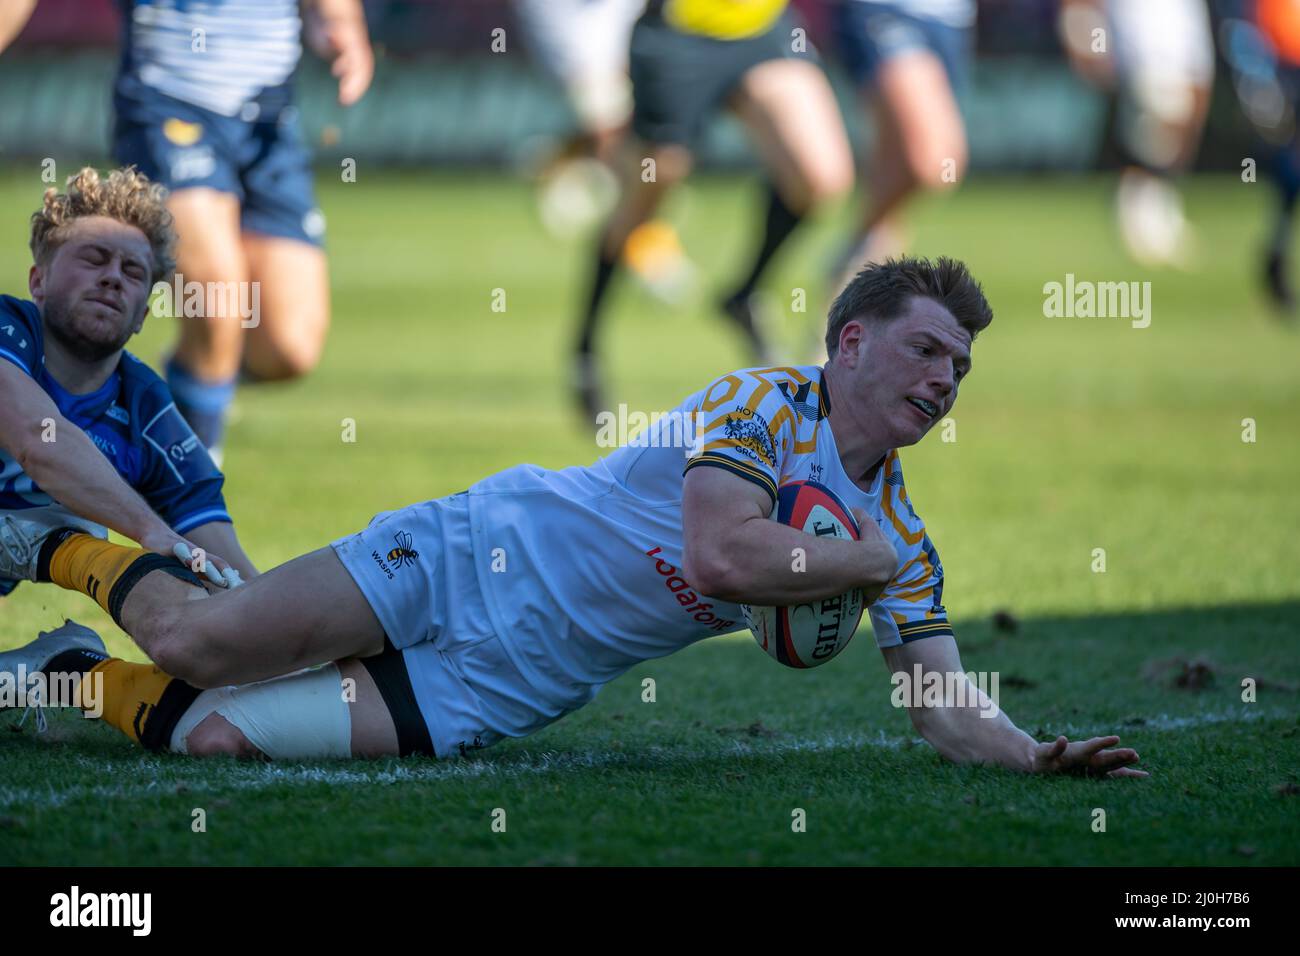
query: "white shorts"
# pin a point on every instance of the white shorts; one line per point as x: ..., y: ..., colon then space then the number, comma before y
x: 583, y: 44
x: 416, y: 569
x: 1163, y: 40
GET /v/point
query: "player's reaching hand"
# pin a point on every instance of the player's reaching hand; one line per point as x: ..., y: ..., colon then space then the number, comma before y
x: 336, y: 32
x: 212, y: 568
x: 1090, y: 757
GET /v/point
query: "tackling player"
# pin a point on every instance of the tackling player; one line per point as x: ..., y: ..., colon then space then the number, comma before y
x: 203, y: 104
x: 89, y: 435
x: 493, y: 612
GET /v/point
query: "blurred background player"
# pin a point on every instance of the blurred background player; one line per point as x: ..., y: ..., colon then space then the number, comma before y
x: 203, y: 104
x: 688, y: 58
x: 582, y: 45
x: 909, y: 60
x: 1158, y: 57
x: 1260, y: 40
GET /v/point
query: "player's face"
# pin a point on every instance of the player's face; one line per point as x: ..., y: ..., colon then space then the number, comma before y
x: 94, y: 290
x: 910, y: 369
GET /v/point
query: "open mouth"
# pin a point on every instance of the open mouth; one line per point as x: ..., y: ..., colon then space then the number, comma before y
x: 927, y: 408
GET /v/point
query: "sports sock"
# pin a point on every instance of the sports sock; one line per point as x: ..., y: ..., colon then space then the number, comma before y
x: 1286, y: 174
x: 780, y: 222
x: 80, y: 661
x: 142, y: 701
x: 203, y: 404
x: 605, y: 267
x: 103, y: 571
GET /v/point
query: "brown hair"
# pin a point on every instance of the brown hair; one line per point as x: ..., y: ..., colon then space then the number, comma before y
x: 881, y: 291
x: 127, y: 196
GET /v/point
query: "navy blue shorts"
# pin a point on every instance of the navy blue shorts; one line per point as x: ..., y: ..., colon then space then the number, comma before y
x: 679, y: 80
x: 259, y: 156
x: 871, y: 33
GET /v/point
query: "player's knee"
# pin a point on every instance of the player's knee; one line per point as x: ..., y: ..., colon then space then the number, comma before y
x: 215, y: 736
x: 665, y: 165
x: 283, y: 361
x: 827, y: 181
x: 938, y: 167
x: 180, y: 655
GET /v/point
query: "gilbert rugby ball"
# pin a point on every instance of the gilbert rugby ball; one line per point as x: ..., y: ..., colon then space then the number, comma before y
x: 808, y: 635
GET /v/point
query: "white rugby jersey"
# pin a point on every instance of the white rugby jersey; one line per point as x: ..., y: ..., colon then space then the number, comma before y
x: 580, y: 568
x: 218, y: 54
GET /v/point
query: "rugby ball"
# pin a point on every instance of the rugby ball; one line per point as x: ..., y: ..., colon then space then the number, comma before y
x: 809, y: 635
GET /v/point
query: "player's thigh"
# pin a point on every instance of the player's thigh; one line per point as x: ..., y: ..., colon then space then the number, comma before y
x: 915, y: 100
x: 208, y: 242
x: 209, y: 257
x: 304, y: 612
x: 292, y: 281
x: 374, y: 732
x: 791, y: 113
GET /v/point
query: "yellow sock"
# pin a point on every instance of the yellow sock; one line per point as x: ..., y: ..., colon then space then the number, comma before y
x: 91, y: 565
x: 140, y: 700
x: 108, y: 572
x: 652, y: 248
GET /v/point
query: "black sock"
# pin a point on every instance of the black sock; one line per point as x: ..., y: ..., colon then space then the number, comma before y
x: 781, y: 221
x: 49, y: 546
x: 605, y: 267
x: 136, y: 572
x: 1280, y: 240
x: 162, y: 718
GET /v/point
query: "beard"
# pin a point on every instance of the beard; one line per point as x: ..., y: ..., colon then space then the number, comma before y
x: 61, y: 323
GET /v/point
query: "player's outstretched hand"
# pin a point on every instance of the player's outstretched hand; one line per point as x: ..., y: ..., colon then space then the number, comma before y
x: 213, y: 568
x: 345, y: 42
x: 1089, y: 757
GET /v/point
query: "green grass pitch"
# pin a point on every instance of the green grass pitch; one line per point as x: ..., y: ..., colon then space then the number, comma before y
x: 1072, y: 435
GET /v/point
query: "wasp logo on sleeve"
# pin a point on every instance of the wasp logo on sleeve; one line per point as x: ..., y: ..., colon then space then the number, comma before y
x: 402, y: 554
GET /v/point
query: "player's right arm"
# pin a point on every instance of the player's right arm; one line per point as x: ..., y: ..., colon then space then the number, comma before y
x: 70, y: 468
x: 14, y: 15
x: 733, y: 551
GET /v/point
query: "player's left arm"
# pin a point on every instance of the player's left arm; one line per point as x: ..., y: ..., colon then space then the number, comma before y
x: 968, y: 727
x: 14, y: 15
x: 218, y: 537
x: 336, y: 31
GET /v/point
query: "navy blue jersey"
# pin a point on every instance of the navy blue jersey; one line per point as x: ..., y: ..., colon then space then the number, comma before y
x: 131, y: 419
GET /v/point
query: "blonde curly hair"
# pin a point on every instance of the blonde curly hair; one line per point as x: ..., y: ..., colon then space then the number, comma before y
x: 127, y: 196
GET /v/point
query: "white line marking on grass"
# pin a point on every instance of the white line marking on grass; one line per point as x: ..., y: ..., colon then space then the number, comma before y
x: 197, y: 776
x: 172, y: 773
x: 1241, y: 715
